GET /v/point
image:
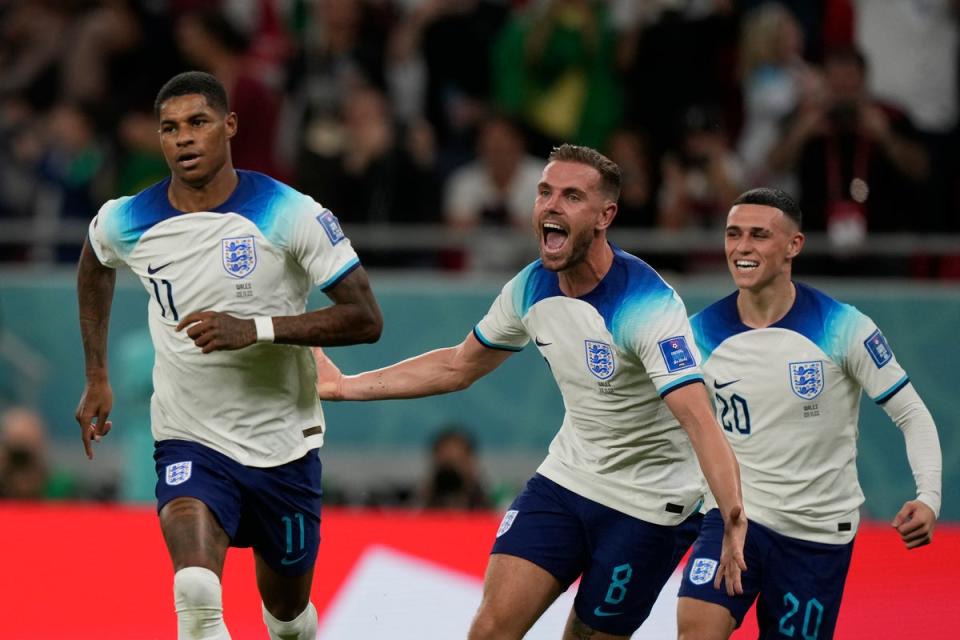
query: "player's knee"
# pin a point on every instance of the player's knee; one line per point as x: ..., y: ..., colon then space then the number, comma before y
x: 199, y: 603
x: 487, y: 626
x: 301, y: 625
x: 197, y: 588
x: 689, y: 628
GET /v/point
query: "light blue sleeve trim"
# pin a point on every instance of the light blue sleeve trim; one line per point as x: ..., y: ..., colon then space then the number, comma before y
x: 347, y: 268
x: 493, y: 345
x: 889, y: 393
x: 680, y: 382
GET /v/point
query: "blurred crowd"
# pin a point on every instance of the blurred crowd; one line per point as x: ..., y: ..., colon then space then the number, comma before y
x: 442, y: 111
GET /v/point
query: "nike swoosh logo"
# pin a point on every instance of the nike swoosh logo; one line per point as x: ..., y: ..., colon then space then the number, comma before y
x: 603, y: 614
x: 717, y: 385
x: 151, y: 270
x: 286, y: 561
x: 541, y: 343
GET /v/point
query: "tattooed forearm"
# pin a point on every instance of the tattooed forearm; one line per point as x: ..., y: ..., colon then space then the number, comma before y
x: 353, y: 318
x: 95, y: 284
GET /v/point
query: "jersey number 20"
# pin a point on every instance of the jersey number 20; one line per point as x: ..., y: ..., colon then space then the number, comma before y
x: 734, y: 413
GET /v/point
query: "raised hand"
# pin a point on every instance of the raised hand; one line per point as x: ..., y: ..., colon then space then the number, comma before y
x: 329, y: 378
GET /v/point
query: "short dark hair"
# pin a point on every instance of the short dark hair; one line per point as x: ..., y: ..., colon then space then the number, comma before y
x: 193, y: 82
x: 608, y: 169
x: 776, y: 198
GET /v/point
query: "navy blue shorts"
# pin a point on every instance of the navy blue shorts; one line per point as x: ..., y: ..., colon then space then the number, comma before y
x: 799, y: 583
x: 275, y: 510
x: 624, y: 561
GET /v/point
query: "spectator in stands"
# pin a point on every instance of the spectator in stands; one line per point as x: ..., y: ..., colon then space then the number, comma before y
x: 858, y: 161
x: 25, y: 472
x: 453, y: 480
x: 342, y: 47
x: 451, y: 39
x: 677, y: 53
x: 914, y: 53
x: 701, y: 175
x: 32, y: 39
x: 775, y: 78
x: 209, y: 39
x: 638, y: 204
x: 554, y: 69
x: 368, y: 171
x: 73, y: 173
x: 494, y: 189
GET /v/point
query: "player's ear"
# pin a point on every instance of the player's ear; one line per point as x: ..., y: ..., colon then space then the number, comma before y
x: 607, y: 215
x: 795, y: 245
x: 230, y: 124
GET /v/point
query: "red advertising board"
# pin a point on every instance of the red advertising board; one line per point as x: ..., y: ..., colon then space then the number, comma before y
x: 85, y: 571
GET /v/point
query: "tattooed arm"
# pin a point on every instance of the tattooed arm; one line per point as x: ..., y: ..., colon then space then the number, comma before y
x: 95, y: 284
x: 354, y: 317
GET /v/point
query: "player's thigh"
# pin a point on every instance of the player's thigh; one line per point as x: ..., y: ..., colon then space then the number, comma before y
x: 199, y: 503
x: 701, y: 620
x: 193, y: 535
x: 802, y: 589
x: 630, y: 561
x: 516, y: 592
x: 281, y: 521
x: 284, y: 596
x: 577, y: 629
x: 701, y: 568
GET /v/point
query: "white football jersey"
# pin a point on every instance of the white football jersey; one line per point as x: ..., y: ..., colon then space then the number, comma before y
x: 614, y: 353
x: 788, y: 398
x: 257, y: 254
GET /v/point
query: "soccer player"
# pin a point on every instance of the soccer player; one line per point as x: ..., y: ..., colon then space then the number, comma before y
x: 617, y: 499
x: 786, y: 365
x: 227, y: 259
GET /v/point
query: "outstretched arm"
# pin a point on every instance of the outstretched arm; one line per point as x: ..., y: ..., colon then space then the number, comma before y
x: 917, y: 518
x: 692, y: 409
x: 354, y: 317
x: 431, y: 373
x: 95, y: 284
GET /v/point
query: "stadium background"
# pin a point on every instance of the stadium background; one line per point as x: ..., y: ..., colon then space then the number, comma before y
x: 383, y: 569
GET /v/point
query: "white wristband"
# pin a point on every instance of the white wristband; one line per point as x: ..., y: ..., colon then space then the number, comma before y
x: 264, y: 329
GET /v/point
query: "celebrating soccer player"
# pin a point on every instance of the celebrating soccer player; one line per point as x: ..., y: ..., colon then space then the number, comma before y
x: 786, y: 365
x: 227, y: 258
x: 617, y: 500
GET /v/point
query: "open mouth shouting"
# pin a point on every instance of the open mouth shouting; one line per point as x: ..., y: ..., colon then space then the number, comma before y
x: 553, y: 237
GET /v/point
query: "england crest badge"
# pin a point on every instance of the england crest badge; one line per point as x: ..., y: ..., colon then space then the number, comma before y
x: 179, y: 472
x: 507, y: 522
x: 239, y: 256
x: 702, y: 570
x: 599, y: 359
x: 806, y: 379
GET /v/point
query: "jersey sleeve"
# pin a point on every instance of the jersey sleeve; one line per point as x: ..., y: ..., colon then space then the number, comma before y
x: 502, y: 327
x: 102, y: 240
x: 320, y: 246
x: 665, y: 343
x: 870, y: 361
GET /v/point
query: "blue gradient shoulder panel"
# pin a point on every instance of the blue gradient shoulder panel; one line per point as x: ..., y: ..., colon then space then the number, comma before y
x: 265, y: 202
x: 129, y: 217
x: 826, y: 322
x: 257, y: 197
x: 629, y: 295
